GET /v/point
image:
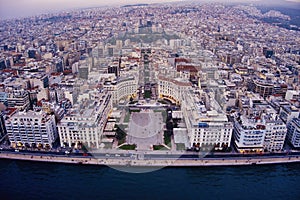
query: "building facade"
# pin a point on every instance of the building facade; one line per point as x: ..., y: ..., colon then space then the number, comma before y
x: 249, y: 134
x: 122, y: 88
x: 293, y: 132
x: 31, y: 128
x: 18, y: 99
x: 288, y: 112
x: 172, y: 89
x: 275, y: 133
x: 85, y: 122
x: 207, y: 126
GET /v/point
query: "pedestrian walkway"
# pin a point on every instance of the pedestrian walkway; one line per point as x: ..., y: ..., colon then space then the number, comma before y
x: 145, y: 129
x: 140, y: 161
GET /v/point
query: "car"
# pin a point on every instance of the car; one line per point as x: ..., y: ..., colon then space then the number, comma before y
x: 17, y: 150
x: 189, y: 149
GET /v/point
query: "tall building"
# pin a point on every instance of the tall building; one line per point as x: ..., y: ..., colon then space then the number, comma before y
x: 275, y: 132
x: 207, y: 125
x: 83, y: 72
x: 31, y: 128
x: 258, y: 126
x: 249, y: 133
x: 259, y: 129
x: 85, y: 122
x: 172, y: 87
x: 18, y: 99
x: 293, y: 132
x: 288, y: 112
x: 122, y: 88
x: 59, y: 65
x: 41, y: 80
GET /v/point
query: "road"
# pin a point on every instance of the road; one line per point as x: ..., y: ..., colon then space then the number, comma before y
x: 154, y: 155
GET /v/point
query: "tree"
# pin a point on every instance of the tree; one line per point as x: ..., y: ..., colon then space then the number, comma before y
x: 169, y: 125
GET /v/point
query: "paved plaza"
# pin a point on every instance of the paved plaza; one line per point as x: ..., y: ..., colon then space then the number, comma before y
x: 145, y: 129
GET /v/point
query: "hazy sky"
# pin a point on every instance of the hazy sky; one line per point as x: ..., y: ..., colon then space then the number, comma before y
x: 17, y: 8
x: 21, y: 8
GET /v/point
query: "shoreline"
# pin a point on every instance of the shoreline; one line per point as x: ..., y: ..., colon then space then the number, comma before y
x: 125, y: 162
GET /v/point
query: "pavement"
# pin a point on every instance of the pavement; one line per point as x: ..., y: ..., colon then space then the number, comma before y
x: 145, y: 129
x: 140, y: 161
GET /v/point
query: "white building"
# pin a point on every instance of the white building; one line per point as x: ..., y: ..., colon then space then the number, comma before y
x: 275, y: 132
x: 287, y: 113
x: 292, y: 95
x: 172, y: 88
x: 122, y: 88
x: 28, y: 128
x: 207, y: 125
x: 38, y: 80
x: 258, y: 127
x: 249, y: 133
x: 85, y: 122
x: 293, y: 132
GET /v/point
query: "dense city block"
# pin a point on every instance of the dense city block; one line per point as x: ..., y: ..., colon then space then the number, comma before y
x: 163, y: 77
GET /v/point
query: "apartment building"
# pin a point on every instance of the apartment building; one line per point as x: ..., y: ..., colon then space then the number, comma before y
x: 36, y: 129
x: 207, y: 125
x: 84, y: 123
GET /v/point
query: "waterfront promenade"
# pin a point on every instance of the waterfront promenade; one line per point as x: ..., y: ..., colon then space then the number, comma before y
x: 229, y: 161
